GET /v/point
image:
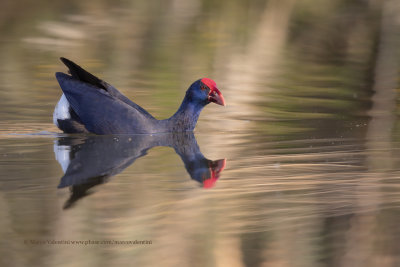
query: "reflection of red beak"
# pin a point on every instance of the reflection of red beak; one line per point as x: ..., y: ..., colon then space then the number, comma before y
x: 216, y: 97
x: 216, y: 167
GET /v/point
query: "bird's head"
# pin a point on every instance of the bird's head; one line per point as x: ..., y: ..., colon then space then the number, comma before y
x: 205, y: 91
x: 215, y: 168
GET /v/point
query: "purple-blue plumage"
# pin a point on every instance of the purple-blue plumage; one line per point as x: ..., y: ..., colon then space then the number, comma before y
x: 95, y: 106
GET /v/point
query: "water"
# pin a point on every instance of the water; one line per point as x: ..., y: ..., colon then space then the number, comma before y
x: 299, y: 169
x: 304, y: 202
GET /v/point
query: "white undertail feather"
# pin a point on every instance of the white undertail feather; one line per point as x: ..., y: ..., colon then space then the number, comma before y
x: 62, y: 155
x: 61, y: 112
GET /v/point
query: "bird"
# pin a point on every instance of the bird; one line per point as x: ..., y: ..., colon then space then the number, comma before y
x: 91, y: 160
x: 91, y: 105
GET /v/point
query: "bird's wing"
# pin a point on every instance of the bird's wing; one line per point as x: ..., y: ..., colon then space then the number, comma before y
x: 81, y: 74
x: 100, y: 111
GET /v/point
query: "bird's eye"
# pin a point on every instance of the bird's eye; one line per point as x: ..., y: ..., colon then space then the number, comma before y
x: 202, y: 88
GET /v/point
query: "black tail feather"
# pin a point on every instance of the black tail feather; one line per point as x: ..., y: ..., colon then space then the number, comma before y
x: 79, y: 73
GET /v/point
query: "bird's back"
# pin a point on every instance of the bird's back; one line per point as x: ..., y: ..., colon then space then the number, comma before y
x: 89, y: 104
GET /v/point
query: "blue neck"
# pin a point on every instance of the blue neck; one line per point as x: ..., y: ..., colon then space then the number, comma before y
x: 185, y: 118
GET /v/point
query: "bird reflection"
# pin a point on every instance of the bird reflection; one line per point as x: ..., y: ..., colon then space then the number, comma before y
x: 91, y: 160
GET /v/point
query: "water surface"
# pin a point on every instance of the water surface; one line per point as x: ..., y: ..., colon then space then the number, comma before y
x: 300, y: 169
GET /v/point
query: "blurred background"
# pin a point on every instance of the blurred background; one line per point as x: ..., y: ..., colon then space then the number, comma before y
x: 310, y: 132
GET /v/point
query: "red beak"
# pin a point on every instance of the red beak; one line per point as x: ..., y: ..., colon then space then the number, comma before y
x: 216, y: 97
x: 216, y: 167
